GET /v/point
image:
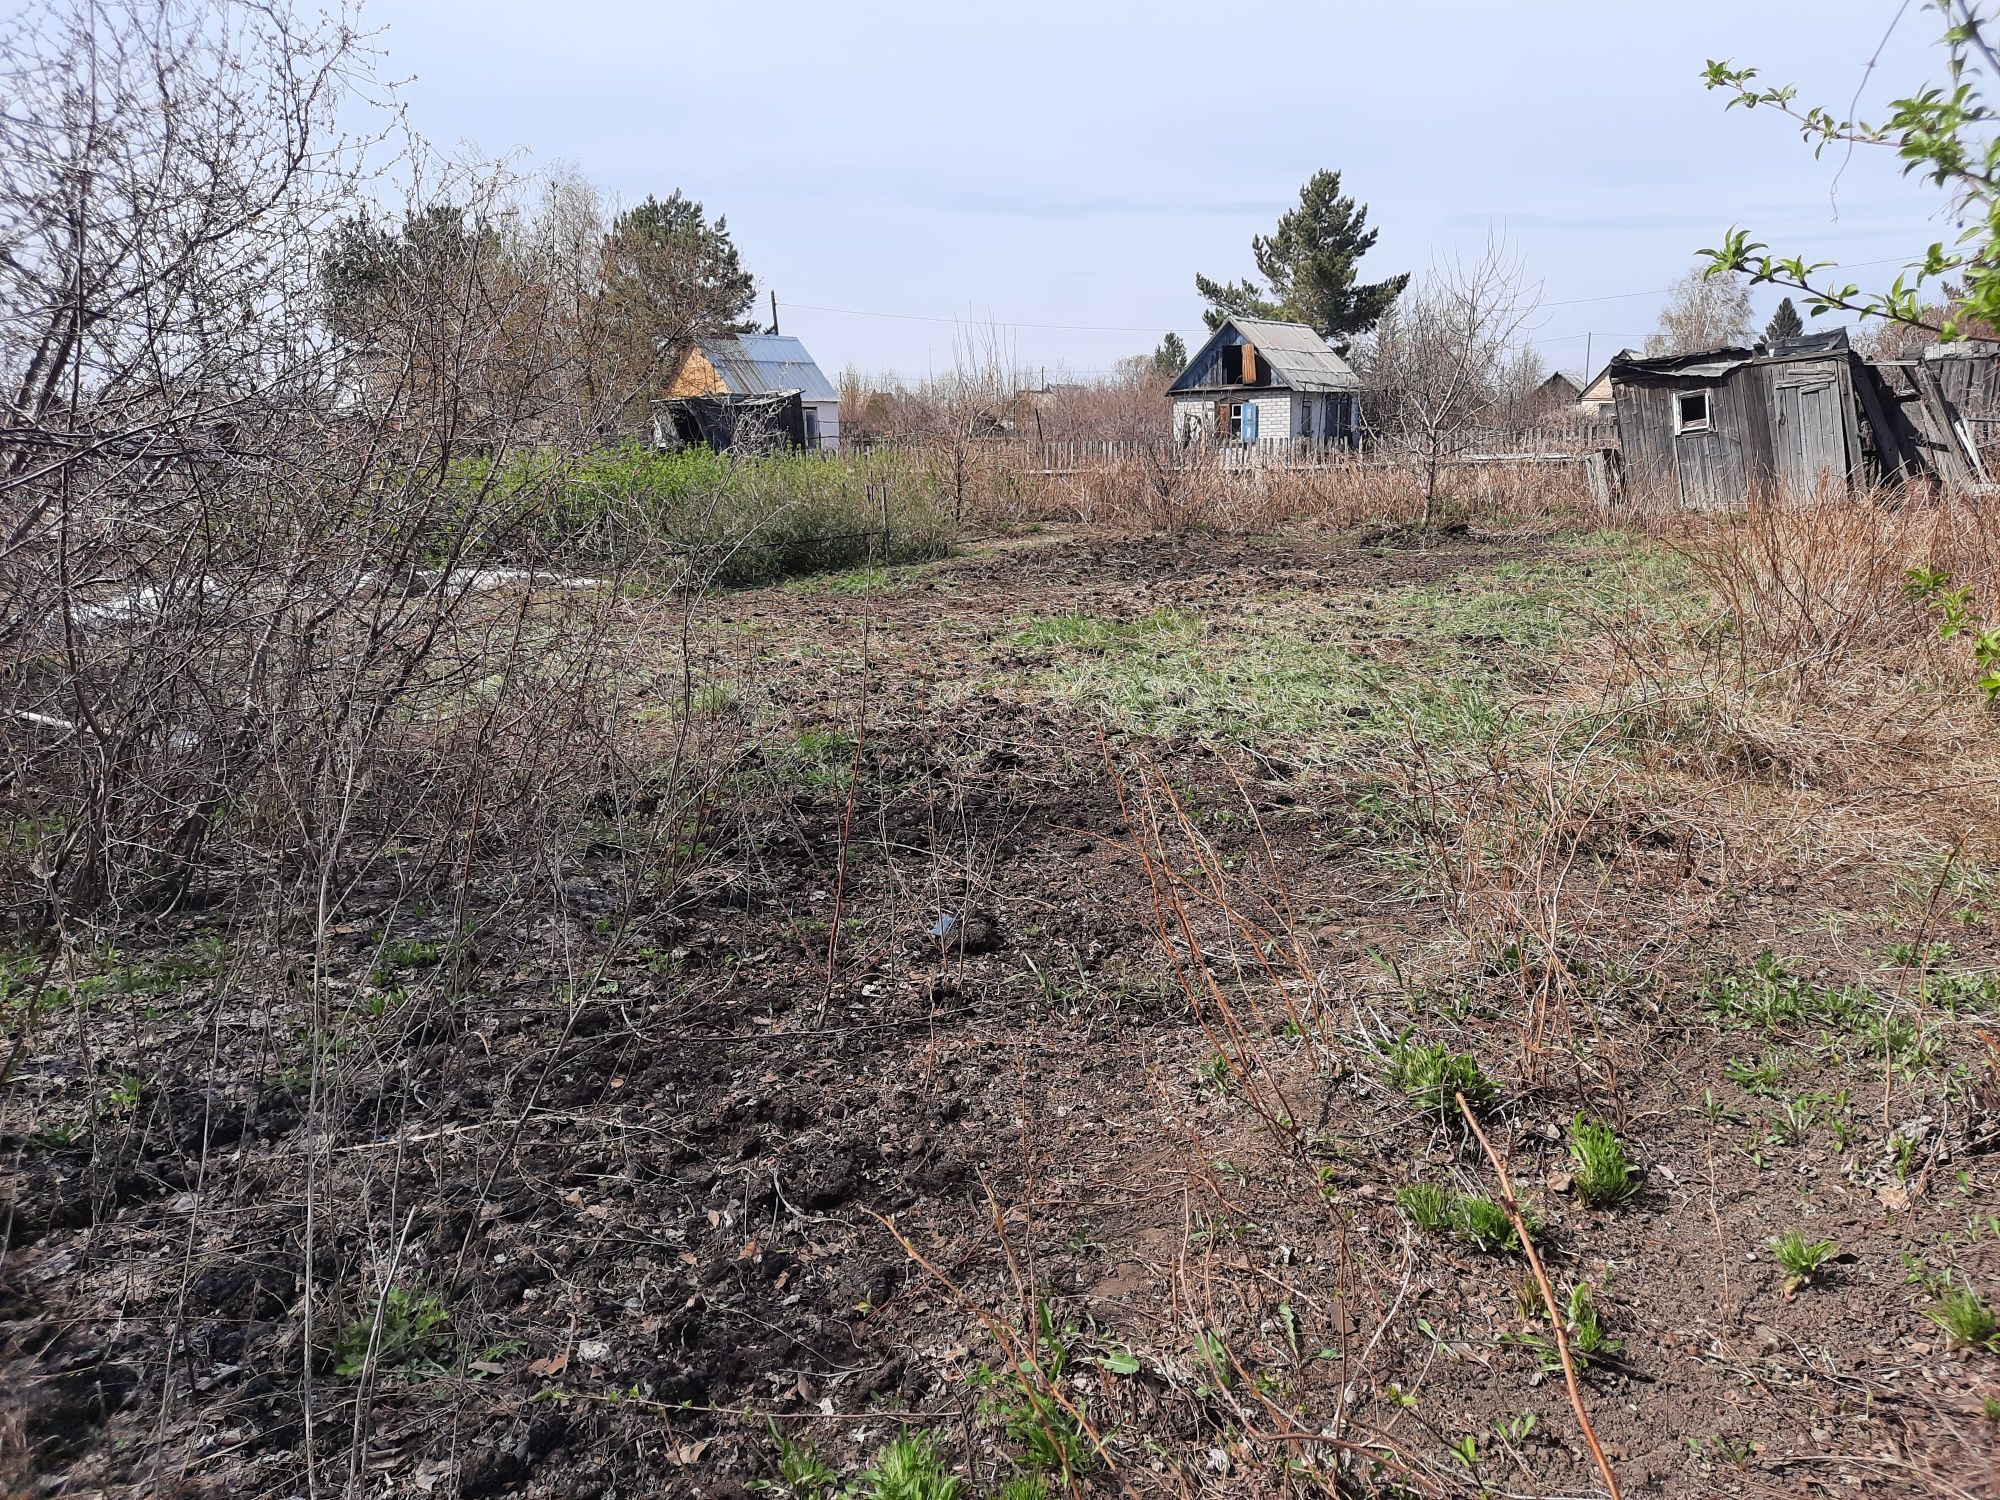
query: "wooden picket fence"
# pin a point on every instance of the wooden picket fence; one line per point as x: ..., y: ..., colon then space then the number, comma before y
x: 1573, y: 440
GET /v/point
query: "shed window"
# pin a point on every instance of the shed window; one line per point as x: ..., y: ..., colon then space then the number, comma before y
x: 1691, y: 411
x: 1243, y: 421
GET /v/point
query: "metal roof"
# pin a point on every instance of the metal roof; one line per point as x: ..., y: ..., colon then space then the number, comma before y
x: 1713, y: 364
x: 1304, y: 360
x: 1296, y: 355
x: 758, y: 364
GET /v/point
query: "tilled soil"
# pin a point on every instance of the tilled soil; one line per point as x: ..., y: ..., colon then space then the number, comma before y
x: 954, y: 1019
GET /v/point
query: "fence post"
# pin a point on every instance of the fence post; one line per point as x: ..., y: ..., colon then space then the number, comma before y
x: 887, y: 556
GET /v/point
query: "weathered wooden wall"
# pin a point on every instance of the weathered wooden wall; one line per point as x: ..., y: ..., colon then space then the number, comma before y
x: 1702, y: 470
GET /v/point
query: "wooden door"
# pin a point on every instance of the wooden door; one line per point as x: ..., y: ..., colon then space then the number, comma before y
x: 1695, y: 463
x: 1809, y: 435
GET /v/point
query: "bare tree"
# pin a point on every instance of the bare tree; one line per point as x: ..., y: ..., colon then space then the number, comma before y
x: 220, y: 494
x: 1439, y: 361
x: 1703, y: 311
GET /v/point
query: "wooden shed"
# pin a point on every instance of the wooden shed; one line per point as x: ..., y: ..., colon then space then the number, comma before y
x: 1720, y: 427
x: 749, y: 370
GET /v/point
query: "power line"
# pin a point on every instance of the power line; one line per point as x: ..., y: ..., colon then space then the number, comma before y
x: 1860, y: 265
x: 855, y: 312
x: 858, y: 312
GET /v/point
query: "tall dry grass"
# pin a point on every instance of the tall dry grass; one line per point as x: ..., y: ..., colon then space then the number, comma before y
x: 1811, y: 587
x: 1184, y: 490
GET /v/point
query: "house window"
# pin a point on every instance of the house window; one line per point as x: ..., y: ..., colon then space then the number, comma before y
x: 1243, y: 421
x: 1690, y: 411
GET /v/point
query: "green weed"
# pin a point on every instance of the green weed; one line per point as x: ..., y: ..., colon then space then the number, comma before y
x: 411, y: 1334
x: 1470, y: 1218
x: 1964, y: 1315
x: 1427, y: 1204
x: 1589, y: 1342
x: 802, y: 1473
x: 1603, y: 1178
x: 1021, y: 1397
x: 1799, y: 1258
x: 912, y: 1467
x: 1431, y: 1075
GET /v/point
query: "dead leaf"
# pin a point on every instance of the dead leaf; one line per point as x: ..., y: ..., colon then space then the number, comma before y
x: 749, y: 1251
x: 555, y: 1364
x: 689, y: 1453
x: 1561, y: 1181
x: 1894, y: 1197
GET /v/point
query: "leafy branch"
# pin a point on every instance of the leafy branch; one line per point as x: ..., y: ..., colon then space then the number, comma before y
x: 1954, y: 606
x: 1947, y: 136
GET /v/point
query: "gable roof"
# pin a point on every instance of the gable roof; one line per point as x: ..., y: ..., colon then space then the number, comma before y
x: 1299, y: 358
x: 1598, y: 387
x: 1562, y: 380
x: 760, y: 364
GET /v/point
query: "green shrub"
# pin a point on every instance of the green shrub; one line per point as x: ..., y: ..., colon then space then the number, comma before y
x: 736, y: 519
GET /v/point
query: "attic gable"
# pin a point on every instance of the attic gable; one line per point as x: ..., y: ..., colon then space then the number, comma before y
x: 1262, y: 353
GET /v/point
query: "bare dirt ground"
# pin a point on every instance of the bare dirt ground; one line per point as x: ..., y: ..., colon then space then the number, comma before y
x: 1015, y: 1064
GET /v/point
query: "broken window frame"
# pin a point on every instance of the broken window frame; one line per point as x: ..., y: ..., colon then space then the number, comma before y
x: 1684, y: 423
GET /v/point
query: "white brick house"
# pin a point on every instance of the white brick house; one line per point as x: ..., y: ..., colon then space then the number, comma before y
x: 1266, y: 383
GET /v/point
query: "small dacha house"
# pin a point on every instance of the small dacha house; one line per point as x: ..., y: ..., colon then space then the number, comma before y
x: 748, y: 389
x: 1257, y: 381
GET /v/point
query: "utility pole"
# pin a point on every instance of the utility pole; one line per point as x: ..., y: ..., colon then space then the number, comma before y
x: 774, y: 309
x: 1587, y: 371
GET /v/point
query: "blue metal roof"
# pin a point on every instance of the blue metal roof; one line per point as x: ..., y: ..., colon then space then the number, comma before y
x: 758, y: 364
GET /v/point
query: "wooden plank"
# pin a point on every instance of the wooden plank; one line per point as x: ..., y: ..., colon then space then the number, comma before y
x: 695, y: 376
x: 1889, y: 444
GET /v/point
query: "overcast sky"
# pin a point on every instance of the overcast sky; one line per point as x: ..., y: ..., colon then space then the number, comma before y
x: 1073, y: 165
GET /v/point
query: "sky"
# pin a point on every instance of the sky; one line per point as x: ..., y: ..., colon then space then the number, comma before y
x: 916, y: 178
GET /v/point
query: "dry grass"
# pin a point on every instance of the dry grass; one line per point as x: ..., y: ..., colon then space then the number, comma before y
x: 1197, y: 490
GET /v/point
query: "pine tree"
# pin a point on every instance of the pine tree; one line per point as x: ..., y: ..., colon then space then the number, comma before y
x: 1308, y: 269
x: 1171, y: 357
x: 1785, y: 323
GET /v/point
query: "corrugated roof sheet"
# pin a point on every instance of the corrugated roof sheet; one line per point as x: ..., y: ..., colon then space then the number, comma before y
x: 758, y: 364
x: 1298, y: 356
x: 1306, y: 361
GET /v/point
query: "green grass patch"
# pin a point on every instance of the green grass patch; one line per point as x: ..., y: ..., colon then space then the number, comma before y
x: 1781, y: 1003
x: 1337, y: 674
